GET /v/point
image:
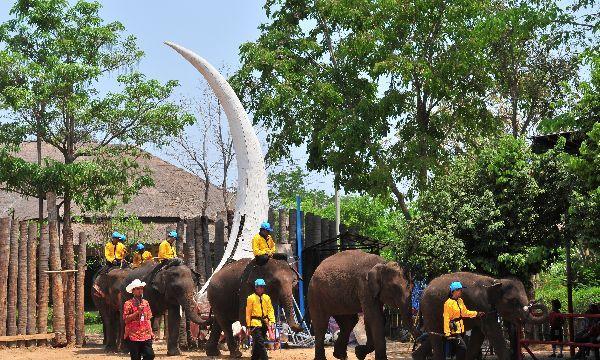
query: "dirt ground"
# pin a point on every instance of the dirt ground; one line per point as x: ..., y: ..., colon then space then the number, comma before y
x: 93, y: 350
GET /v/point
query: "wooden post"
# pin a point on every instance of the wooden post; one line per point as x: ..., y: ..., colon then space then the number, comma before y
x: 324, y: 230
x: 283, y: 226
x: 22, y: 282
x: 69, y: 264
x: 316, y: 228
x: 344, y: 243
x: 58, y: 305
x: 190, y: 244
x: 32, y: 237
x: 230, y: 215
x: 332, y: 235
x: 200, y: 258
x: 271, y: 220
x: 219, y: 241
x: 13, y: 262
x: 80, y: 293
x: 180, y: 238
x: 43, y: 281
x: 308, y: 230
x: 206, y: 247
x: 4, y: 257
x: 292, y: 227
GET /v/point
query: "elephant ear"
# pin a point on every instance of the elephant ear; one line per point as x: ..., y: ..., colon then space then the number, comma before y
x: 159, y: 283
x: 374, y: 279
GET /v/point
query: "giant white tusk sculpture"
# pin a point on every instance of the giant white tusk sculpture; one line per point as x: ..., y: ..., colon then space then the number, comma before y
x: 252, y: 195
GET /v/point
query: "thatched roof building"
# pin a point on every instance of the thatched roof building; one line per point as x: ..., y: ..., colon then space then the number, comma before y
x: 177, y: 195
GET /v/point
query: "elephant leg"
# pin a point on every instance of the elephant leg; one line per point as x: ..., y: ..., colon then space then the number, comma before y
x: 212, y: 345
x: 232, y: 343
x: 493, y: 332
x: 173, y: 320
x: 362, y: 351
x: 346, y: 324
x: 423, y: 350
x: 110, y: 335
x: 319, y: 324
x: 437, y: 345
x: 474, y: 345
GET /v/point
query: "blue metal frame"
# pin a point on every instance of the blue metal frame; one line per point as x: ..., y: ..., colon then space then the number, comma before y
x: 299, y: 244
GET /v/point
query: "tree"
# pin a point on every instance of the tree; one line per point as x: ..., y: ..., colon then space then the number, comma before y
x: 381, y: 92
x: 54, y: 55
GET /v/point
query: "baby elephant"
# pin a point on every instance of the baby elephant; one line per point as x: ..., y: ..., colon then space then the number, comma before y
x: 351, y: 282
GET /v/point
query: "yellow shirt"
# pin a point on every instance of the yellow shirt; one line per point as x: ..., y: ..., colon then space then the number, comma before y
x: 139, y: 259
x: 260, y: 246
x: 456, y: 310
x: 112, y: 252
x: 255, y: 312
x: 166, y: 251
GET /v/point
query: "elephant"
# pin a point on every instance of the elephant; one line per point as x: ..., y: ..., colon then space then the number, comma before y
x: 351, y: 282
x: 172, y: 288
x: 107, y: 299
x: 496, y: 297
x: 227, y: 295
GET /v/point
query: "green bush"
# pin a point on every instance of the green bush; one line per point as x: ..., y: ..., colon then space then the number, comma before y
x: 92, y: 317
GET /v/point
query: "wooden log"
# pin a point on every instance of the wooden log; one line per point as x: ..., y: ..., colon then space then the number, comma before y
x: 190, y: 244
x: 43, y: 281
x: 200, y: 258
x: 292, y: 227
x: 27, y: 337
x: 283, y: 226
x: 80, y: 292
x: 219, y: 241
x: 316, y: 229
x: 32, y: 237
x: 308, y: 232
x: 69, y: 264
x: 22, y: 282
x: 324, y: 230
x: 4, y: 257
x: 230, y: 215
x: 271, y: 220
x: 180, y: 238
x: 332, y: 235
x: 206, y: 247
x: 58, y: 305
x: 13, y: 262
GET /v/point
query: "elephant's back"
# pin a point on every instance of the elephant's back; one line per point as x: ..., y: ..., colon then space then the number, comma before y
x: 225, y: 283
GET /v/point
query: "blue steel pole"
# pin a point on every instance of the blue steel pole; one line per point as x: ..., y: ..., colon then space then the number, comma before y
x: 299, y: 244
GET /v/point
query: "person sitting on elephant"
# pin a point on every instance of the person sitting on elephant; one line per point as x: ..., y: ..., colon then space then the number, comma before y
x: 138, y: 328
x: 454, y: 313
x: 263, y: 245
x: 259, y: 316
x: 140, y: 256
x: 114, y: 253
x: 166, y: 249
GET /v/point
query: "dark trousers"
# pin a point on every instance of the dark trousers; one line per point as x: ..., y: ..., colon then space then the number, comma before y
x: 259, y: 334
x: 141, y: 350
x: 455, y: 345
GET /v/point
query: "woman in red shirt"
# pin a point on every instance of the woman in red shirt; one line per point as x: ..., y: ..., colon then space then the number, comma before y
x: 138, y: 329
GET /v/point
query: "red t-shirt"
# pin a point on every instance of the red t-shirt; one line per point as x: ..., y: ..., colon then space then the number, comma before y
x: 555, y: 320
x: 138, y: 329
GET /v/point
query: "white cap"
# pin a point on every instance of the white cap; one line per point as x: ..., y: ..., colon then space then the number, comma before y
x: 135, y: 284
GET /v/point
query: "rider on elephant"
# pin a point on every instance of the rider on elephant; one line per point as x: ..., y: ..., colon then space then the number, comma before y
x: 140, y: 256
x: 454, y: 313
x: 259, y: 316
x: 114, y: 252
x: 263, y: 245
x: 166, y: 250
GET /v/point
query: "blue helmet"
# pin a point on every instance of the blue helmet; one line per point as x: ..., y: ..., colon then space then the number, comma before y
x: 116, y: 235
x: 123, y: 237
x: 139, y: 247
x: 456, y: 286
x: 260, y: 282
x: 265, y: 225
x: 173, y: 234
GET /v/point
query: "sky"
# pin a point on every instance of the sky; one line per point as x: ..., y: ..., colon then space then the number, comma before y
x: 212, y: 28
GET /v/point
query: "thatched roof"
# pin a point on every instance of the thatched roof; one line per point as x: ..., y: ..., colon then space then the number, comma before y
x: 177, y: 194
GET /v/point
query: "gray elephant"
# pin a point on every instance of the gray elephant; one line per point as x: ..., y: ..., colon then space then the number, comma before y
x: 174, y: 286
x: 351, y: 282
x: 496, y: 297
x: 227, y: 295
x: 106, y: 297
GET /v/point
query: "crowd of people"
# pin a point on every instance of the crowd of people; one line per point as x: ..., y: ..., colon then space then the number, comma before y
x: 589, y: 332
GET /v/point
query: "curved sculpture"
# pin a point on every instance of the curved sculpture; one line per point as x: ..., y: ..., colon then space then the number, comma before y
x: 252, y: 195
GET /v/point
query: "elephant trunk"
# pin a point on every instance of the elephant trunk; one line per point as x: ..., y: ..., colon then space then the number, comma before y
x: 537, y: 314
x: 288, y: 306
x: 189, y: 307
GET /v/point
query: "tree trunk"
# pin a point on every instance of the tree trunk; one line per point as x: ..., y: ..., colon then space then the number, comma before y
x: 283, y: 226
x: 206, y: 247
x: 4, y: 258
x: 292, y: 227
x: 219, y: 241
x: 31, y: 279
x: 271, y: 220
x: 230, y: 215
x: 43, y: 282
x: 190, y: 244
x: 180, y: 239
x: 200, y: 257
x: 13, y: 262
x: 22, y: 282
x: 80, y: 285
x: 58, y: 305
x: 69, y: 264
